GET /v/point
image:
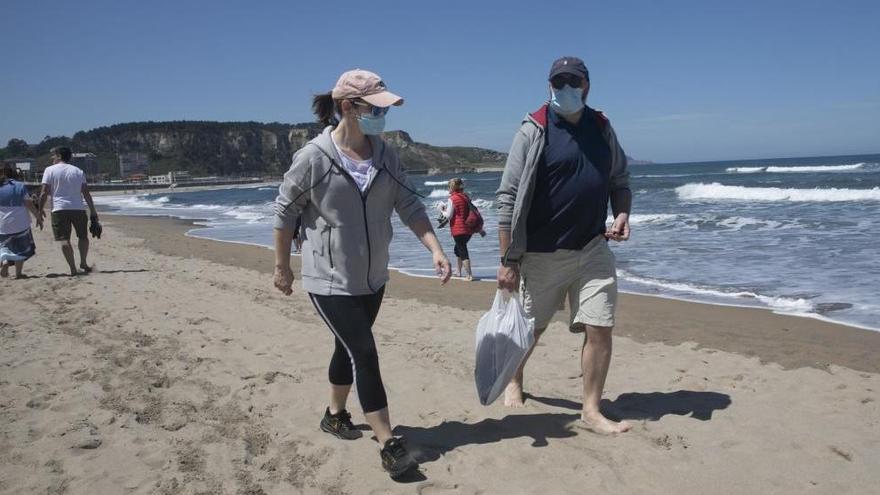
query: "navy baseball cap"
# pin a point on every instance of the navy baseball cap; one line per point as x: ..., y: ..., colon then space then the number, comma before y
x: 569, y: 65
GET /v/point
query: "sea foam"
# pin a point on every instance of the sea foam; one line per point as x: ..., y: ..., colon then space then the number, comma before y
x: 799, y: 170
x: 716, y: 191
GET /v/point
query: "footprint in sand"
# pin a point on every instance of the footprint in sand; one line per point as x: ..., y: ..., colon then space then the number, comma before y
x: 436, y: 488
x: 82, y: 435
x: 669, y: 441
x: 41, y: 401
x: 845, y: 455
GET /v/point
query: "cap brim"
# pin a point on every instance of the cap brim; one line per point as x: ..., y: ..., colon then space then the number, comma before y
x: 383, y: 99
x: 567, y: 69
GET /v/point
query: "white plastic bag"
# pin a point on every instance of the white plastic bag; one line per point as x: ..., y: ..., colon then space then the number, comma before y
x: 504, y: 336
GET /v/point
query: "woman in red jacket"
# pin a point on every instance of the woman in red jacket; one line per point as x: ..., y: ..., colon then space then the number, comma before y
x: 456, y: 211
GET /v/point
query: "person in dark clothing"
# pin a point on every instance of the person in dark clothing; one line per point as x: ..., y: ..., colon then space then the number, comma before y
x: 564, y: 167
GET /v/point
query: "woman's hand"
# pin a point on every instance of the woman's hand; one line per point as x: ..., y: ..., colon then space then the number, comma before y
x: 283, y: 279
x: 441, y: 264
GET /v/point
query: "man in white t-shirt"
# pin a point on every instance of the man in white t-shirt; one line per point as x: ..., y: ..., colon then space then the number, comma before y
x: 66, y: 184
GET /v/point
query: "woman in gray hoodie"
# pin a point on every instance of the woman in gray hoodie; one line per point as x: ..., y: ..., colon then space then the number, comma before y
x: 340, y: 192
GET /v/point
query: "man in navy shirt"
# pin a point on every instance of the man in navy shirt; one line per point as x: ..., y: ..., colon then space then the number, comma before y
x: 564, y: 167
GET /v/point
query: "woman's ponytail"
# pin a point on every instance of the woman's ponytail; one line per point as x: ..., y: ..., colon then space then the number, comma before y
x: 324, y: 109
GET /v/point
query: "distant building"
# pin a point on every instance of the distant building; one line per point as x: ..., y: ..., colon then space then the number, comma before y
x: 87, y: 162
x: 170, y: 178
x: 179, y: 176
x: 159, y: 179
x: 133, y: 164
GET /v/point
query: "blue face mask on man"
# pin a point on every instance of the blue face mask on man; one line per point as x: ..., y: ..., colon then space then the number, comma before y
x: 371, y: 125
x: 566, y: 100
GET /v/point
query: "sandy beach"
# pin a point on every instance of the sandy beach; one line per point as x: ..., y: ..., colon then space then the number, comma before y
x: 176, y: 367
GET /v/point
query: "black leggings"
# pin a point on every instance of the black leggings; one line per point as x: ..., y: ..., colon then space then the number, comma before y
x: 355, y: 359
x: 461, y: 250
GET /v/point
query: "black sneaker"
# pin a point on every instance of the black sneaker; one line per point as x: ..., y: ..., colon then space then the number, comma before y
x: 395, y: 458
x: 339, y: 425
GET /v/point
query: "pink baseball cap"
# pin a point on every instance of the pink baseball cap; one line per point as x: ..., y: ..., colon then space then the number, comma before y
x: 367, y: 86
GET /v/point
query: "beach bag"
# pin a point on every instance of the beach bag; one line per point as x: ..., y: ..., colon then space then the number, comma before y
x: 504, y: 336
x: 473, y: 221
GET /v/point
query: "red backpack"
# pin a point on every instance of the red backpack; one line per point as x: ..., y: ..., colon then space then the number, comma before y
x: 473, y: 221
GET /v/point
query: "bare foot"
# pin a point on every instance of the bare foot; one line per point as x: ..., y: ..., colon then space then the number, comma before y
x: 513, y: 395
x: 597, y: 423
x: 4, y: 270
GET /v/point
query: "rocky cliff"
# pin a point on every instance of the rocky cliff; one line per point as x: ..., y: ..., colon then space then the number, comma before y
x: 239, y: 148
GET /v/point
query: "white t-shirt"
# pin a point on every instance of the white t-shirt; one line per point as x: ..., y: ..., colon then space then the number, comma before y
x: 360, y: 170
x: 65, y: 184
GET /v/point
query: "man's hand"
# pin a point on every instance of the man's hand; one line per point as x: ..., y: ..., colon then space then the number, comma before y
x: 619, y: 229
x: 283, y: 279
x: 508, y: 278
x: 442, y: 266
x: 40, y: 221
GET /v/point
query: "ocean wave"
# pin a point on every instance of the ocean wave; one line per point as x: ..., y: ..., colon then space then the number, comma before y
x: 738, y: 223
x: 716, y: 191
x: 781, y: 303
x: 667, y: 176
x: 482, y: 204
x: 205, y: 207
x: 439, y: 193
x: 745, y: 170
x: 132, y: 201
x: 696, y: 221
x: 804, y: 169
x: 436, y: 182
x: 649, y: 218
x: 247, y: 214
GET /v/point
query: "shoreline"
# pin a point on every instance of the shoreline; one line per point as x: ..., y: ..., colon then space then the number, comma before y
x: 195, y: 224
x: 168, y: 190
x: 792, y: 341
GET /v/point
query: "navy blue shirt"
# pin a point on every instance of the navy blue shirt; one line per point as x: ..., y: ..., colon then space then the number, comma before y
x: 570, y: 203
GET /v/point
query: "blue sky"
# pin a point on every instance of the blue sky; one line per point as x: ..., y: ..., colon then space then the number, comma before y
x: 680, y: 80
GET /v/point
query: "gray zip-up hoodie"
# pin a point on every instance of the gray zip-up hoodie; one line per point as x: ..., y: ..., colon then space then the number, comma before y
x: 347, y: 232
x: 514, y: 195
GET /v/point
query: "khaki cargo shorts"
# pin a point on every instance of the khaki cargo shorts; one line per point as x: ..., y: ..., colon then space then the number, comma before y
x: 588, y: 277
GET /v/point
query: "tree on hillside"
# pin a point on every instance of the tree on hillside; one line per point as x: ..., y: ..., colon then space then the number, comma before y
x: 17, y: 147
x: 50, y: 142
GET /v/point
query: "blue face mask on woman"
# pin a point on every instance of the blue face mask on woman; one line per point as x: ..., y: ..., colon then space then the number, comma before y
x: 371, y: 125
x: 566, y: 100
